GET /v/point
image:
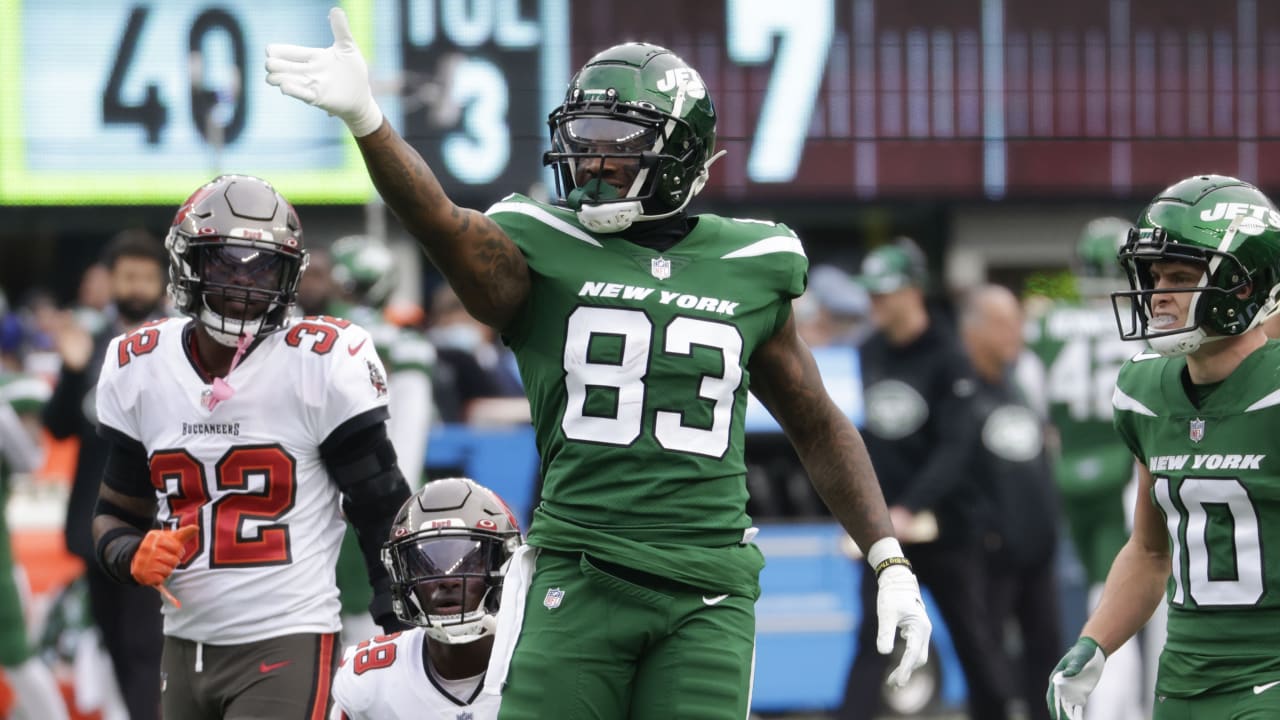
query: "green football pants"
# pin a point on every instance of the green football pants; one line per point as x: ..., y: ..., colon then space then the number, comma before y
x: 599, y: 642
x: 1246, y: 704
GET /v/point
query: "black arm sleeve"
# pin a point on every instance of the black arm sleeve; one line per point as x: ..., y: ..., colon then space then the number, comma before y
x: 362, y: 462
x: 126, y: 472
x: 126, y: 469
x: 115, y: 553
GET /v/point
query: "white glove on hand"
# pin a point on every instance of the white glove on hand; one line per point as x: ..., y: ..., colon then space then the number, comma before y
x: 1073, y: 679
x: 899, y: 607
x: 334, y: 79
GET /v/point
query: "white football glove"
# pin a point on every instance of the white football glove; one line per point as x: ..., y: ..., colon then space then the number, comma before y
x: 334, y: 79
x: 899, y: 609
x: 1073, y: 679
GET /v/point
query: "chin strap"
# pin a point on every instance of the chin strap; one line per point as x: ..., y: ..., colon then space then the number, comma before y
x: 614, y: 217
x: 221, y: 390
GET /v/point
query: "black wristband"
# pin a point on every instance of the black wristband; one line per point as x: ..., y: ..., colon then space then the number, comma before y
x: 890, y: 562
x: 116, y: 558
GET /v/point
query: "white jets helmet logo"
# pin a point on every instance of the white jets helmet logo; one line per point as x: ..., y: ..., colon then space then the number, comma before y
x: 687, y: 79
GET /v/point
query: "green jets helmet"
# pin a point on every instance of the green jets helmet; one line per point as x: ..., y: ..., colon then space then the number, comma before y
x: 645, y: 107
x: 1228, y: 228
x: 1097, y: 268
x: 364, y: 268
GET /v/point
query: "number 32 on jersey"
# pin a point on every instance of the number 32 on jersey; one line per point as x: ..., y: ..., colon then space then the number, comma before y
x: 250, y: 483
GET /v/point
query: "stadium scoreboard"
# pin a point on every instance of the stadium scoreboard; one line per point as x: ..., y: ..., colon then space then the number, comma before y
x: 830, y: 100
x: 121, y: 102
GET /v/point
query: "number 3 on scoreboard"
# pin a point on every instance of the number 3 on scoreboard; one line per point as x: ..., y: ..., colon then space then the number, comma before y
x: 256, y: 482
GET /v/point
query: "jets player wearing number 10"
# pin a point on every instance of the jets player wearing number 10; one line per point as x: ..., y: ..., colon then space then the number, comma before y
x: 1199, y: 412
x: 637, y: 329
x: 235, y: 433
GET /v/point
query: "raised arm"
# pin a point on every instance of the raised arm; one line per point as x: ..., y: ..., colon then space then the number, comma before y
x: 483, y: 265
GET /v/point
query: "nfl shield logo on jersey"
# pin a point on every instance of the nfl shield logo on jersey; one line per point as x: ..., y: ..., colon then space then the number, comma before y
x: 660, y: 267
x: 1197, y: 430
x: 553, y: 598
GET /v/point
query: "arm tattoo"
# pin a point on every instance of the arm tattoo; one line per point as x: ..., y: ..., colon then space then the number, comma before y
x: 785, y: 378
x: 484, y: 266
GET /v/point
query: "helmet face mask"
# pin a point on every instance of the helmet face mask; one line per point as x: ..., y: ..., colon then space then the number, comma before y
x: 1222, y: 226
x: 235, y: 258
x: 447, y: 557
x: 449, y: 581
x: 634, y: 138
x: 1137, y: 258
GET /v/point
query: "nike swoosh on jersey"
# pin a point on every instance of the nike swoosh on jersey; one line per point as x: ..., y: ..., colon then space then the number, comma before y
x: 713, y: 600
x: 264, y: 667
x: 1259, y: 689
x: 353, y: 349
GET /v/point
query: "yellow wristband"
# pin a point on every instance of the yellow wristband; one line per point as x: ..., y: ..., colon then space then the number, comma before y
x: 890, y: 562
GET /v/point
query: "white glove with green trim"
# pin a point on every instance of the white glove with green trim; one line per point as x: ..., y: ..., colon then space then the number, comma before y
x: 1074, y: 678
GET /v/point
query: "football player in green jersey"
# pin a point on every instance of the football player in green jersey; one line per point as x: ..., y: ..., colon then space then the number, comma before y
x: 1198, y: 411
x: 1077, y: 342
x: 36, y: 691
x: 1075, y: 338
x: 636, y: 328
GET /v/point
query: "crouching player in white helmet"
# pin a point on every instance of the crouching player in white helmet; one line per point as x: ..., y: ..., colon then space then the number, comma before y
x: 447, y: 556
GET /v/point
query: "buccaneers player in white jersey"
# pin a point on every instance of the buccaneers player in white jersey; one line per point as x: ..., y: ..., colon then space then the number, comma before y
x: 239, y: 436
x: 449, y: 551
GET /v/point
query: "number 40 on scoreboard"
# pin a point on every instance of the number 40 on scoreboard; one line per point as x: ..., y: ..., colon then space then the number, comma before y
x: 139, y: 102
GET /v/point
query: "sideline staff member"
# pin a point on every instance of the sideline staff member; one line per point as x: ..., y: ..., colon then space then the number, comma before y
x: 919, y: 394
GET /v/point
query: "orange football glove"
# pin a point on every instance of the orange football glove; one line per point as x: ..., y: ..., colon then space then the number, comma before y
x: 157, y: 556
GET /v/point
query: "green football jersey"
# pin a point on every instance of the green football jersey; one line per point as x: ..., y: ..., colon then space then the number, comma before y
x: 1216, y: 472
x: 634, y: 362
x: 1082, y: 353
